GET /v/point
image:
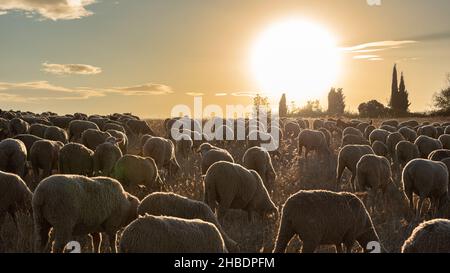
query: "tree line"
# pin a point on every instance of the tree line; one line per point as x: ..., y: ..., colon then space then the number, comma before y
x: 398, y: 105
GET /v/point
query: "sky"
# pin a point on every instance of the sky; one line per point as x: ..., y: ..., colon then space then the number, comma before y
x: 145, y: 56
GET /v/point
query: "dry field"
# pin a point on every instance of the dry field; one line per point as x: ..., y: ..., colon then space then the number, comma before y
x: 293, y: 174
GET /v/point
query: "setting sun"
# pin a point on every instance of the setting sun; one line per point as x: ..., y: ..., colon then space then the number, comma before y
x: 296, y: 57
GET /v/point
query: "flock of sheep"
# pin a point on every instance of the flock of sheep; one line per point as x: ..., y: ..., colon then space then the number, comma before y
x: 79, y: 175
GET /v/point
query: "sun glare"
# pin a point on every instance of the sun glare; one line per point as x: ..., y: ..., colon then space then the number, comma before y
x: 295, y: 57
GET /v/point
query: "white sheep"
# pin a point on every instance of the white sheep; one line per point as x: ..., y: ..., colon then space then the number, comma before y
x: 76, y: 205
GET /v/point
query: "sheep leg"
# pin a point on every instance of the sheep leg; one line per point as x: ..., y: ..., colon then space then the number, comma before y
x: 112, y: 235
x: 285, y: 234
x: 339, y: 248
x: 309, y: 246
x: 340, y: 171
x: 419, y: 208
x: 62, y: 237
x: 41, y: 231
x: 352, y: 182
x: 96, y: 242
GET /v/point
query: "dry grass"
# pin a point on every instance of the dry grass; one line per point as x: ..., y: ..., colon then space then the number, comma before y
x: 294, y: 174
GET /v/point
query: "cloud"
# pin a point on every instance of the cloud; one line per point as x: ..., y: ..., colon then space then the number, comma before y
x: 49, y: 9
x: 378, y: 46
x: 221, y: 94
x: 195, y: 94
x: 71, y: 69
x: 244, y: 94
x: 368, y: 57
x: 143, y: 89
x: 35, y: 91
x: 43, y: 90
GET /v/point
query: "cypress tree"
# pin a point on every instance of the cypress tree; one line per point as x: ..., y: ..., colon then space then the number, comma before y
x: 282, y: 107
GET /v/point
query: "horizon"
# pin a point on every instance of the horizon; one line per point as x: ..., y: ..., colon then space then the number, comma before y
x: 146, y: 57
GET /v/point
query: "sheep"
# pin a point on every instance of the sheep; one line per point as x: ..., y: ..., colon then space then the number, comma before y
x: 165, y: 234
x: 408, y: 133
x: 379, y: 148
x: 438, y: 155
x: 77, y: 205
x: 123, y: 145
x: 4, y: 129
x: 312, y: 140
x: 348, y: 158
x: 391, y: 142
x: 427, y: 179
x: 258, y: 159
x: 378, y: 134
x: 369, y: 129
x: 13, y: 156
x: 354, y: 139
x: 318, y: 123
x: 44, y: 154
x: 391, y: 122
x: 325, y: 218
x: 38, y: 129
x: 427, y: 130
x: 362, y: 127
x: 445, y: 140
x: 352, y: 131
x: 432, y: 236
x: 409, y: 123
x: 171, y: 204
x: 163, y: 152
x: 440, y: 131
x: 77, y: 127
x: 234, y: 187
x: 327, y: 134
x: 61, y: 121
x: 139, y: 127
x: 388, y: 128
x: 56, y: 134
x: 91, y: 138
x: 405, y: 151
x: 113, y: 126
x: 106, y: 156
x: 133, y: 171
x: 28, y: 140
x: 447, y: 130
x: 211, y: 154
x: 16, y: 196
x: 373, y: 173
x: 18, y: 126
x: 427, y: 145
x: 184, y: 146
x: 75, y: 158
x: 292, y: 129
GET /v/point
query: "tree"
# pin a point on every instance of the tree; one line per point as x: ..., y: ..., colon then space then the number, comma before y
x: 442, y: 98
x: 372, y: 109
x: 261, y: 103
x: 282, y: 108
x: 336, y: 101
x: 393, y: 103
x: 403, y: 100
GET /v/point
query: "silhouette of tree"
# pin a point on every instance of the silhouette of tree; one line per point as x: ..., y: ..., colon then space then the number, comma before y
x: 393, y: 103
x: 282, y: 108
x: 372, y: 109
x: 336, y: 101
x: 403, y: 100
x: 442, y: 98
